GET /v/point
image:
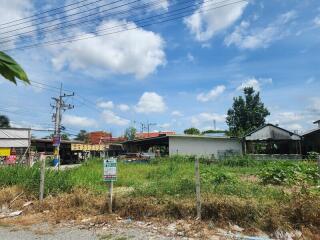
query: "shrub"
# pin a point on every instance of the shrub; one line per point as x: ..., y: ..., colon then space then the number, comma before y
x: 313, y: 156
x: 208, y: 176
x: 288, y: 173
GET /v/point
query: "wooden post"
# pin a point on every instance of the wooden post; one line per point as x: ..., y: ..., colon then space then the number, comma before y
x: 110, y: 196
x: 319, y: 166
x: 197, y: 179
x: 42, y: 175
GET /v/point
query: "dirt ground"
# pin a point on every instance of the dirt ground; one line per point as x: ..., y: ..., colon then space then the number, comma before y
x: 50, y: 232
x: 126, y: 229
x: 36, y: 227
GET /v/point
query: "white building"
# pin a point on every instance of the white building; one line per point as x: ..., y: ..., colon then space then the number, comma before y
x: 198, y: 145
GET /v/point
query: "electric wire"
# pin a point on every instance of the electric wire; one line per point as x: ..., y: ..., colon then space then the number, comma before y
x: 87, y: 21
x: 44, y: 12
x: 68, y: 39
x: 68, y: 16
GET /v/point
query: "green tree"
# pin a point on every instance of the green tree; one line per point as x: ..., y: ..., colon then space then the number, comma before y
x: 11, y: 70
x: 82, y: 136
x: 130, y: 133
x: 65, y: 136
x: 213, y: 131
x: 4, y: 121
x: 247, y: 113
x: 192, y: 131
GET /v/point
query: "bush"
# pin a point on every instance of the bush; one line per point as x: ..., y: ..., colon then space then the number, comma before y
x: 209, y: 176
x: 313, y: 156
x: 288, y: 173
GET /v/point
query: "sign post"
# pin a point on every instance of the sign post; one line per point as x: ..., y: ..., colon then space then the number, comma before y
x: 110, y: 176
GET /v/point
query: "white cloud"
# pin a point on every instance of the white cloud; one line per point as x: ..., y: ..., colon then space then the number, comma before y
x: 11, y: 10
x: 107, y: 105
x: 315, y: 104
x: 190, y: 57
x: 294, y: 127
x: 317, y: 21
x: 111, y: 118
x: 177, y: 113
x: 150, y: 102
x: 121, y: 53
x: 214, y: 93
x: 245, y: 38
x: 162, y: 5
x: 204, y: 24
x: 289, y: 117
x: 252, y: 82
x: 164, y: 126
x: 310, y: 80
x: 123, y: 107
x: 203, y: 120
x: 78, y: 121
x: 255, y: 83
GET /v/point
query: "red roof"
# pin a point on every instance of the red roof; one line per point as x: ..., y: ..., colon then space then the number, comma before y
x: 95, y: 137
x: 153, y: 134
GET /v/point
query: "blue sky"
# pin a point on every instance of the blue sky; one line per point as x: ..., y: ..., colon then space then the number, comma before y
x: 179, y: 74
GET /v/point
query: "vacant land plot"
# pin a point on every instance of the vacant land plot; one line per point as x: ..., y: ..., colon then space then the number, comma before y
x: 253, y: 194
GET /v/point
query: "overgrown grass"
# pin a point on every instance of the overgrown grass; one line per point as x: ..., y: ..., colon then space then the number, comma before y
x: 238, y: 189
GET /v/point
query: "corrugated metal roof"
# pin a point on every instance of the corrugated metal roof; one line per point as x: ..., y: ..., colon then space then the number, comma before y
x: 270, y: 131
x: 311, y: 131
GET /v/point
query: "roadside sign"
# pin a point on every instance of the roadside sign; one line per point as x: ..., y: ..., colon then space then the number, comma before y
x: 110, y: 170
x: 56, y: 141
x: 5, y: 152
x: 11, y: 159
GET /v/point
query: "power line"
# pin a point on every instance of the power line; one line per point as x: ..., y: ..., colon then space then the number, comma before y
x: 70, y: 15
x: 84, y: 101
x: 48, y: 86
x: 87, y: 21
x: 51, y: 10
x: 69, y: 40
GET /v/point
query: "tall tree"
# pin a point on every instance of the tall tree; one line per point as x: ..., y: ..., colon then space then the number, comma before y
x: 4, y: 121
x: 82, y: 136
x: 247, y: 113
x: 11, y: 70
x: 130, y: 133
x: 192, y: 131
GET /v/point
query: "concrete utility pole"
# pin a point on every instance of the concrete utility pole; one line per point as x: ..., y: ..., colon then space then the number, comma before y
x: 59, y: 106
x: 197, y: 180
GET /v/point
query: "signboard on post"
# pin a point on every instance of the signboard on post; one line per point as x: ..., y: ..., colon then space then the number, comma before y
x: 110, y: 175
x: 110, y: 170
x: 5, y: 152
x: 56, y: 141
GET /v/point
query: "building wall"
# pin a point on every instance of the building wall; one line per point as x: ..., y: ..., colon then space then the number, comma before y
x: 14, y: 137
x: 203, y: 146
x: 312, y: 142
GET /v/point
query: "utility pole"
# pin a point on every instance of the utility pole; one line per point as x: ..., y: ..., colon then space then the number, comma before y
x: 148, y: 127
x: 59, y: 106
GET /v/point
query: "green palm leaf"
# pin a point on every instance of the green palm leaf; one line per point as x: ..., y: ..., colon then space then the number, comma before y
x: 11, y: 70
